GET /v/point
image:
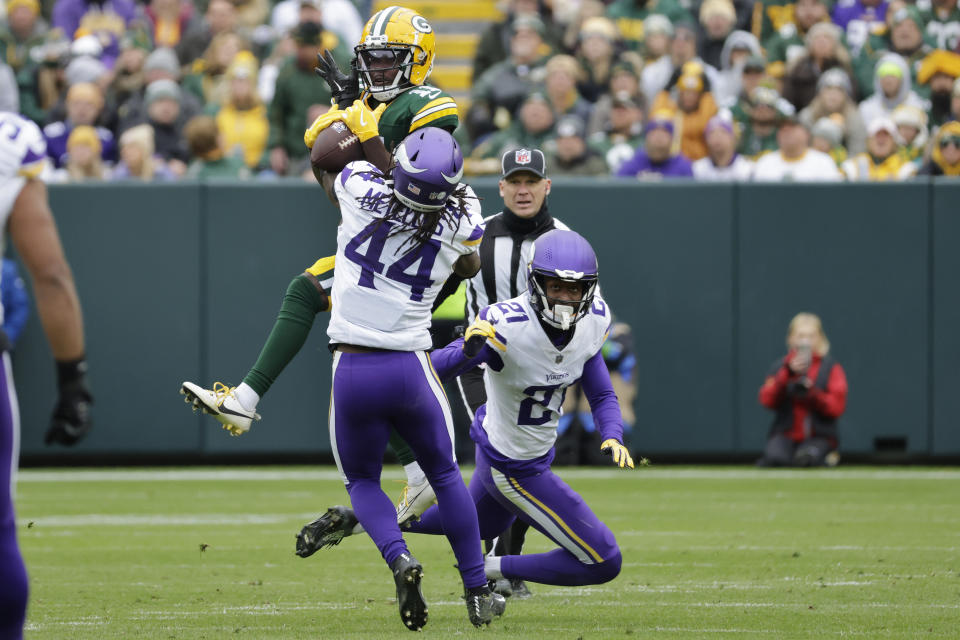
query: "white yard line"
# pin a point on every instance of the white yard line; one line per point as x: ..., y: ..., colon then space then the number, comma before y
x: 331, y: 474
x: 160, y: 520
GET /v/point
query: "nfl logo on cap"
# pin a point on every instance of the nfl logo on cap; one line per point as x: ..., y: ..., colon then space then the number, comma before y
x: 522, y: 156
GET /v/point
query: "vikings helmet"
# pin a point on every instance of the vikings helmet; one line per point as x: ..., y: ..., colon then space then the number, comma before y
x: 427, y: 168
x: 566, y: 255
x: 395, y: 38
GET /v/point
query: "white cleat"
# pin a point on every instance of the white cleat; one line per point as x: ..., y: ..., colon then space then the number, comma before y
x: 220, y: 402
x: 414, y: 500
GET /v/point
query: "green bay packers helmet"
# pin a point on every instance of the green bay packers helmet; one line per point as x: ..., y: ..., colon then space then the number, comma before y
x: 395, y: 38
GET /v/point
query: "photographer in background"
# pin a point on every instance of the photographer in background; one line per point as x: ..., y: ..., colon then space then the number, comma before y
x: 808, y: 391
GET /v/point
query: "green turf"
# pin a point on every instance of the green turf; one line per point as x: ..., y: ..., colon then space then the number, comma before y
x: 708, y: 553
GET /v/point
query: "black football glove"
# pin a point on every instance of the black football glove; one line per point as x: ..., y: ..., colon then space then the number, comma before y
x: 71, y: 416
x: 344, y: 88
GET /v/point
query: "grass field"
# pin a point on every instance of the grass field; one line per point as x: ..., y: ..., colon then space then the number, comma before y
x: 708, y: 553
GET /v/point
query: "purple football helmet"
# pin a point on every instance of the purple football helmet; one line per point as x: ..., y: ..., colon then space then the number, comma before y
x: 568, y: 256
x: 428, y: 168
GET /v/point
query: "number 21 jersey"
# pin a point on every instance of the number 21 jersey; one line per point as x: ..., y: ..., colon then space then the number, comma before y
x: 382, y: 290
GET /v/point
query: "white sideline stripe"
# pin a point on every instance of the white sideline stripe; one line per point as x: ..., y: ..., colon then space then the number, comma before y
x: 320, y: 474
x: 132, y: 519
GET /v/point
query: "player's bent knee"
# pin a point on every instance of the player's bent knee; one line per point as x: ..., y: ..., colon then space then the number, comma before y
x: 608, y: 569
x: 306, y: 292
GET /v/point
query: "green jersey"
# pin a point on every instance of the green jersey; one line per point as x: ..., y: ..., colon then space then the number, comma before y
x: 943, y: 29
x: 629, y: 17
x: 769, y: 16
x: 423, y: 106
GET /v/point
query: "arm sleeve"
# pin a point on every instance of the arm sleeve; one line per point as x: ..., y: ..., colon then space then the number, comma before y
x: 602, y: 398
x: 450, y: 361
x: 771, y: 393
x: 16, y: 302
x: 833, y: 401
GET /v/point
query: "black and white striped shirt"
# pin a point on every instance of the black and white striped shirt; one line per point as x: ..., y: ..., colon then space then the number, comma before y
x: 504, y: 255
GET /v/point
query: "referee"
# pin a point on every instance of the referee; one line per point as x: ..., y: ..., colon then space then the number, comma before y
x: 504, y: 255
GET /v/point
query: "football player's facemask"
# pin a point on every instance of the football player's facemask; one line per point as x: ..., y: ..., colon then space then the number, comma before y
x: 568, y: 257
x: 395, y: 53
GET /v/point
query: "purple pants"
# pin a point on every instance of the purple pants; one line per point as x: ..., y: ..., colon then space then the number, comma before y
x: 372, y: 394
x: 13, y: 575
x: 588, y: 552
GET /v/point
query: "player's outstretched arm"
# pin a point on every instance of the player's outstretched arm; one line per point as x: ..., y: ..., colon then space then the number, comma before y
x: 606, y: 410
x: 34, y: 234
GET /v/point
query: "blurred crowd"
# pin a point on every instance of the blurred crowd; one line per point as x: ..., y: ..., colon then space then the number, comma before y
x: 709, y: 89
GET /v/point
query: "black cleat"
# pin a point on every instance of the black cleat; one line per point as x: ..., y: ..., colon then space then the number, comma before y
x: 326, y: 531
x: 520, y: 589
x: 483, y: 606
x: 501, y: 586
x: 407, y: 573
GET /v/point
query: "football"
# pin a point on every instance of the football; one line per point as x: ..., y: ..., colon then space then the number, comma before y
x: 335, y: 147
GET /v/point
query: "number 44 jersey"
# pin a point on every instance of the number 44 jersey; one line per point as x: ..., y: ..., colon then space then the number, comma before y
x: 524, y: 396
x: 383, y: 286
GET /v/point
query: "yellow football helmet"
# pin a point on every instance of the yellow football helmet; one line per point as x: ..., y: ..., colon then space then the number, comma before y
x: 395, y: 39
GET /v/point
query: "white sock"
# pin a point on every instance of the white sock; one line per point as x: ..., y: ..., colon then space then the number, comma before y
x: 247, y: 397
x: 491, y: 566
x: 414, y: 474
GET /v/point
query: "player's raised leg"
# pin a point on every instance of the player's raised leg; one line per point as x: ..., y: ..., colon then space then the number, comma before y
x: 13, y: 574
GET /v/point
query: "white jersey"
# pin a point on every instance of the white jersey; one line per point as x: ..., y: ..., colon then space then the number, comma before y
x: 524, y: 397
x: 382, y: 292
x: 23, y: 155
x: 740, y: 170
x: 812, y: 166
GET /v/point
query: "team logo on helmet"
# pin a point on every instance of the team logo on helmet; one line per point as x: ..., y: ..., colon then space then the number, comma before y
x: 420, y: 24
x: 522, y: 156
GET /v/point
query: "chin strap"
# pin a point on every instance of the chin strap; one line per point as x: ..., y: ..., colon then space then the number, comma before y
x: 565, y: 312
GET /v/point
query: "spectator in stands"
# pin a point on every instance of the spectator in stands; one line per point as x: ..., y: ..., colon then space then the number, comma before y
x: 568, y: 154
x: 882, y: 160
x: 834, y: 98
x: 955, y: 100
x: 207, y: 80
x: 160, y: 64
x: 563, y: 73
x: 251, y: 13
x: 339, y: 16
x: 629, y: 16
x: 242, y: 119
x: 498, y: 92
x: 945, y: 157
x: 683, y: 48
x: 739, y: 47
x: 658, y: 34
x: 596, y: 54
x: 84, y: 104
x: 128, y: 74
x: 939, y: 71
x: 221, y: 17
x: 795, y: 161
x: 824, y: 51
x: 691, y: 99
x: 169, y: 20
x: 892, y: 88
x: 912, y: 128
x: 788, y: 43
x: 162, y: 100
x: 759, y: 133
x: 297, y: 89
x: 858, y: 19
x: 753, y: 73
x: 718, y: 19
x: 83, y: 162
x: 624, y: 81
x: 942, y: 18
x: 23, y: 30
x: 15, y: 300
x: 904, y: 38
x: 722, y: 162
x: 575, y: 20
x: 532, y: 127
x: 655, y: 159
x: 620, y: 133
x: 496, y: 42
x: 9, y: 92
x: 137, y: 160
x: 106, y: 19
x: 826, y: 135
x: 808, y: 391
x: 207, y: 151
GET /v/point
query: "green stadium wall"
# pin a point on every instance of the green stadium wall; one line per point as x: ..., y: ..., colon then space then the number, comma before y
x: 182, y: 282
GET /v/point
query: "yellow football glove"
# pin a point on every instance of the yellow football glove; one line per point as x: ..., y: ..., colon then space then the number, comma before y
x: 621, y: 457
x: 362, y: 121
x: 322, y: 122
x: 477, y: 333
